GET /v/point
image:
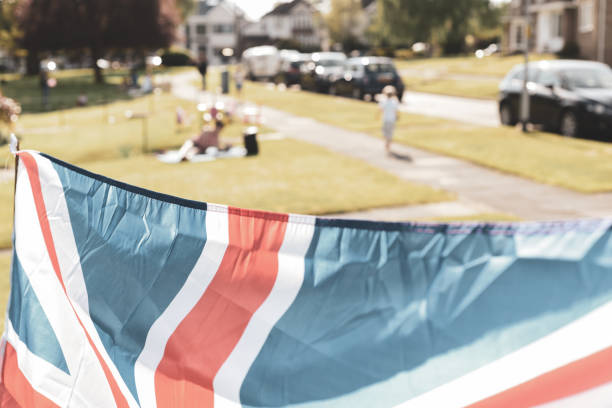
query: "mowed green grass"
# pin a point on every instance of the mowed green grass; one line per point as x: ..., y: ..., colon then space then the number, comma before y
x: 580, y: 165
x: 70, y: 84
x: 466, y: 88
x: 495, y: 65
x: 478, y: 78
x: 288, y: 176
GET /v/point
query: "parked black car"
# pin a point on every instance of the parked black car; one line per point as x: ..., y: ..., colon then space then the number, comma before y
x: 317, y: 73
x: 290, y: 71
x: 365, y: 77
x: 573, y: 98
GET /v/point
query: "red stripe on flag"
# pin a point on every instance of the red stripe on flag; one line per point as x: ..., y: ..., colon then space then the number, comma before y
x: 15, y: 390
x: 574, y: 378
x: 207, y: 335
x: 32, y: 169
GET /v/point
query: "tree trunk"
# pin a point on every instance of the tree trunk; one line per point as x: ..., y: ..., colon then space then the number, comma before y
x: 96, y: 54
x: 32, y: 63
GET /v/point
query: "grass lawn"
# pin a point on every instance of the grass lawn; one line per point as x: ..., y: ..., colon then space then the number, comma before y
x: 581, y: 165
x: 495, y: 65
x: 70, y: 84
x: 467, y: 88
x: 465, y: 76
x: 288, y: 176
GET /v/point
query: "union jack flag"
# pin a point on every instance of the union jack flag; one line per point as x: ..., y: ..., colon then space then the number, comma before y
x: 125, y: 297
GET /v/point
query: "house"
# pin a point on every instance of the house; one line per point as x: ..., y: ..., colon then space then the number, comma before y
x: 555, y: 25
x: 296, y: 21
x: 214, y: 25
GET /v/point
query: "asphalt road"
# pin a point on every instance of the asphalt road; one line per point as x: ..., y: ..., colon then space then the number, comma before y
x: 473, y: 111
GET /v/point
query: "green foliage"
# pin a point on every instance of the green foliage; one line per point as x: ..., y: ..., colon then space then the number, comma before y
x: 185, y: 8
x: 175, y: 57
x: 97, y: 26
x: 569, y: 50
x: 444, y: 23
x: 9, y: 31
x: 344, y: 22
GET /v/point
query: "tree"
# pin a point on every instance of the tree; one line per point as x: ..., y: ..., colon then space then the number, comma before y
x: 345, y: 22
x: 96, y: 25
x: 8, y: 29
x: 444, y: 22
x: 185, y: 7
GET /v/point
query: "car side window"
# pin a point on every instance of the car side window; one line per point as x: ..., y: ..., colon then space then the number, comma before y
x: 548, y: 78
x: 519, y: 75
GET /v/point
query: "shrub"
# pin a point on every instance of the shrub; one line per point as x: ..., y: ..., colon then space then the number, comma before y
x: 176, y: 58
x: 404, y: 53
x: 570, y: 50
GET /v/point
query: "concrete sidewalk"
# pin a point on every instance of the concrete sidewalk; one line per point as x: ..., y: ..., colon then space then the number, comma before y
x: 478, y: 189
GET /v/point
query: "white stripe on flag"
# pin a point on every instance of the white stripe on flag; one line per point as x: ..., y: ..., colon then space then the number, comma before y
x: 217, y: 239
x: 599, y: 397
x: 577, y: 340
x: 44, y: 377
x: 289, y: 279
x: 70, y: 262
x: 89, y: 382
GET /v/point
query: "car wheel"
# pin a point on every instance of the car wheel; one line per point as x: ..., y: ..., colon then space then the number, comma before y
x: 507, y: 116
x: 569, y: 124
x: 356, y: 93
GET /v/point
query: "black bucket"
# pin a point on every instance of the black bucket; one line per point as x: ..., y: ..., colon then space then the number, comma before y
x: 250, y: 141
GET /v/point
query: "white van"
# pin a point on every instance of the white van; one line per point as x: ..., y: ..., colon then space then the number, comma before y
x: 262, y: 62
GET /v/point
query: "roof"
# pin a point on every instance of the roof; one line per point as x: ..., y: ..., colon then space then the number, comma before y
x: 285, y: 8
x: 203, y: 7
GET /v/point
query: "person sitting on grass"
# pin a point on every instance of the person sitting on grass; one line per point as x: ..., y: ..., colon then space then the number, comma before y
x: 209, y: 137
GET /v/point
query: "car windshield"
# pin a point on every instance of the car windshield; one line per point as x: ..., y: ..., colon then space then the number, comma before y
x: 331, y: 63
x: 588, y: 78
x: 380, y: 68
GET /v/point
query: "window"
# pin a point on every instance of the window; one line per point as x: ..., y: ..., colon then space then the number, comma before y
x: 586, y: 16
x: 223, y: 28
x: 555, y: 25
x: 201, y: 29
x: 519, y: 35
x: 548, y: 78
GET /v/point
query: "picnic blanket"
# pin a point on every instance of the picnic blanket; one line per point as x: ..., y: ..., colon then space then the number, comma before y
x: 212, y: 153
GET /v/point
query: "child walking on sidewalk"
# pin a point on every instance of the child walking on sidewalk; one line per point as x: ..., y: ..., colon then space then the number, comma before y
x: 389, y: 107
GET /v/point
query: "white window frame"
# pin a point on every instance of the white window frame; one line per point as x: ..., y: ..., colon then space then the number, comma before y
x: 586, y: 16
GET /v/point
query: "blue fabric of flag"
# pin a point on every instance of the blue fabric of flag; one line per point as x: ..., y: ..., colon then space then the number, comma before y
x: 157, y: 241
x: 30, y: 321
x: 389, y: 311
